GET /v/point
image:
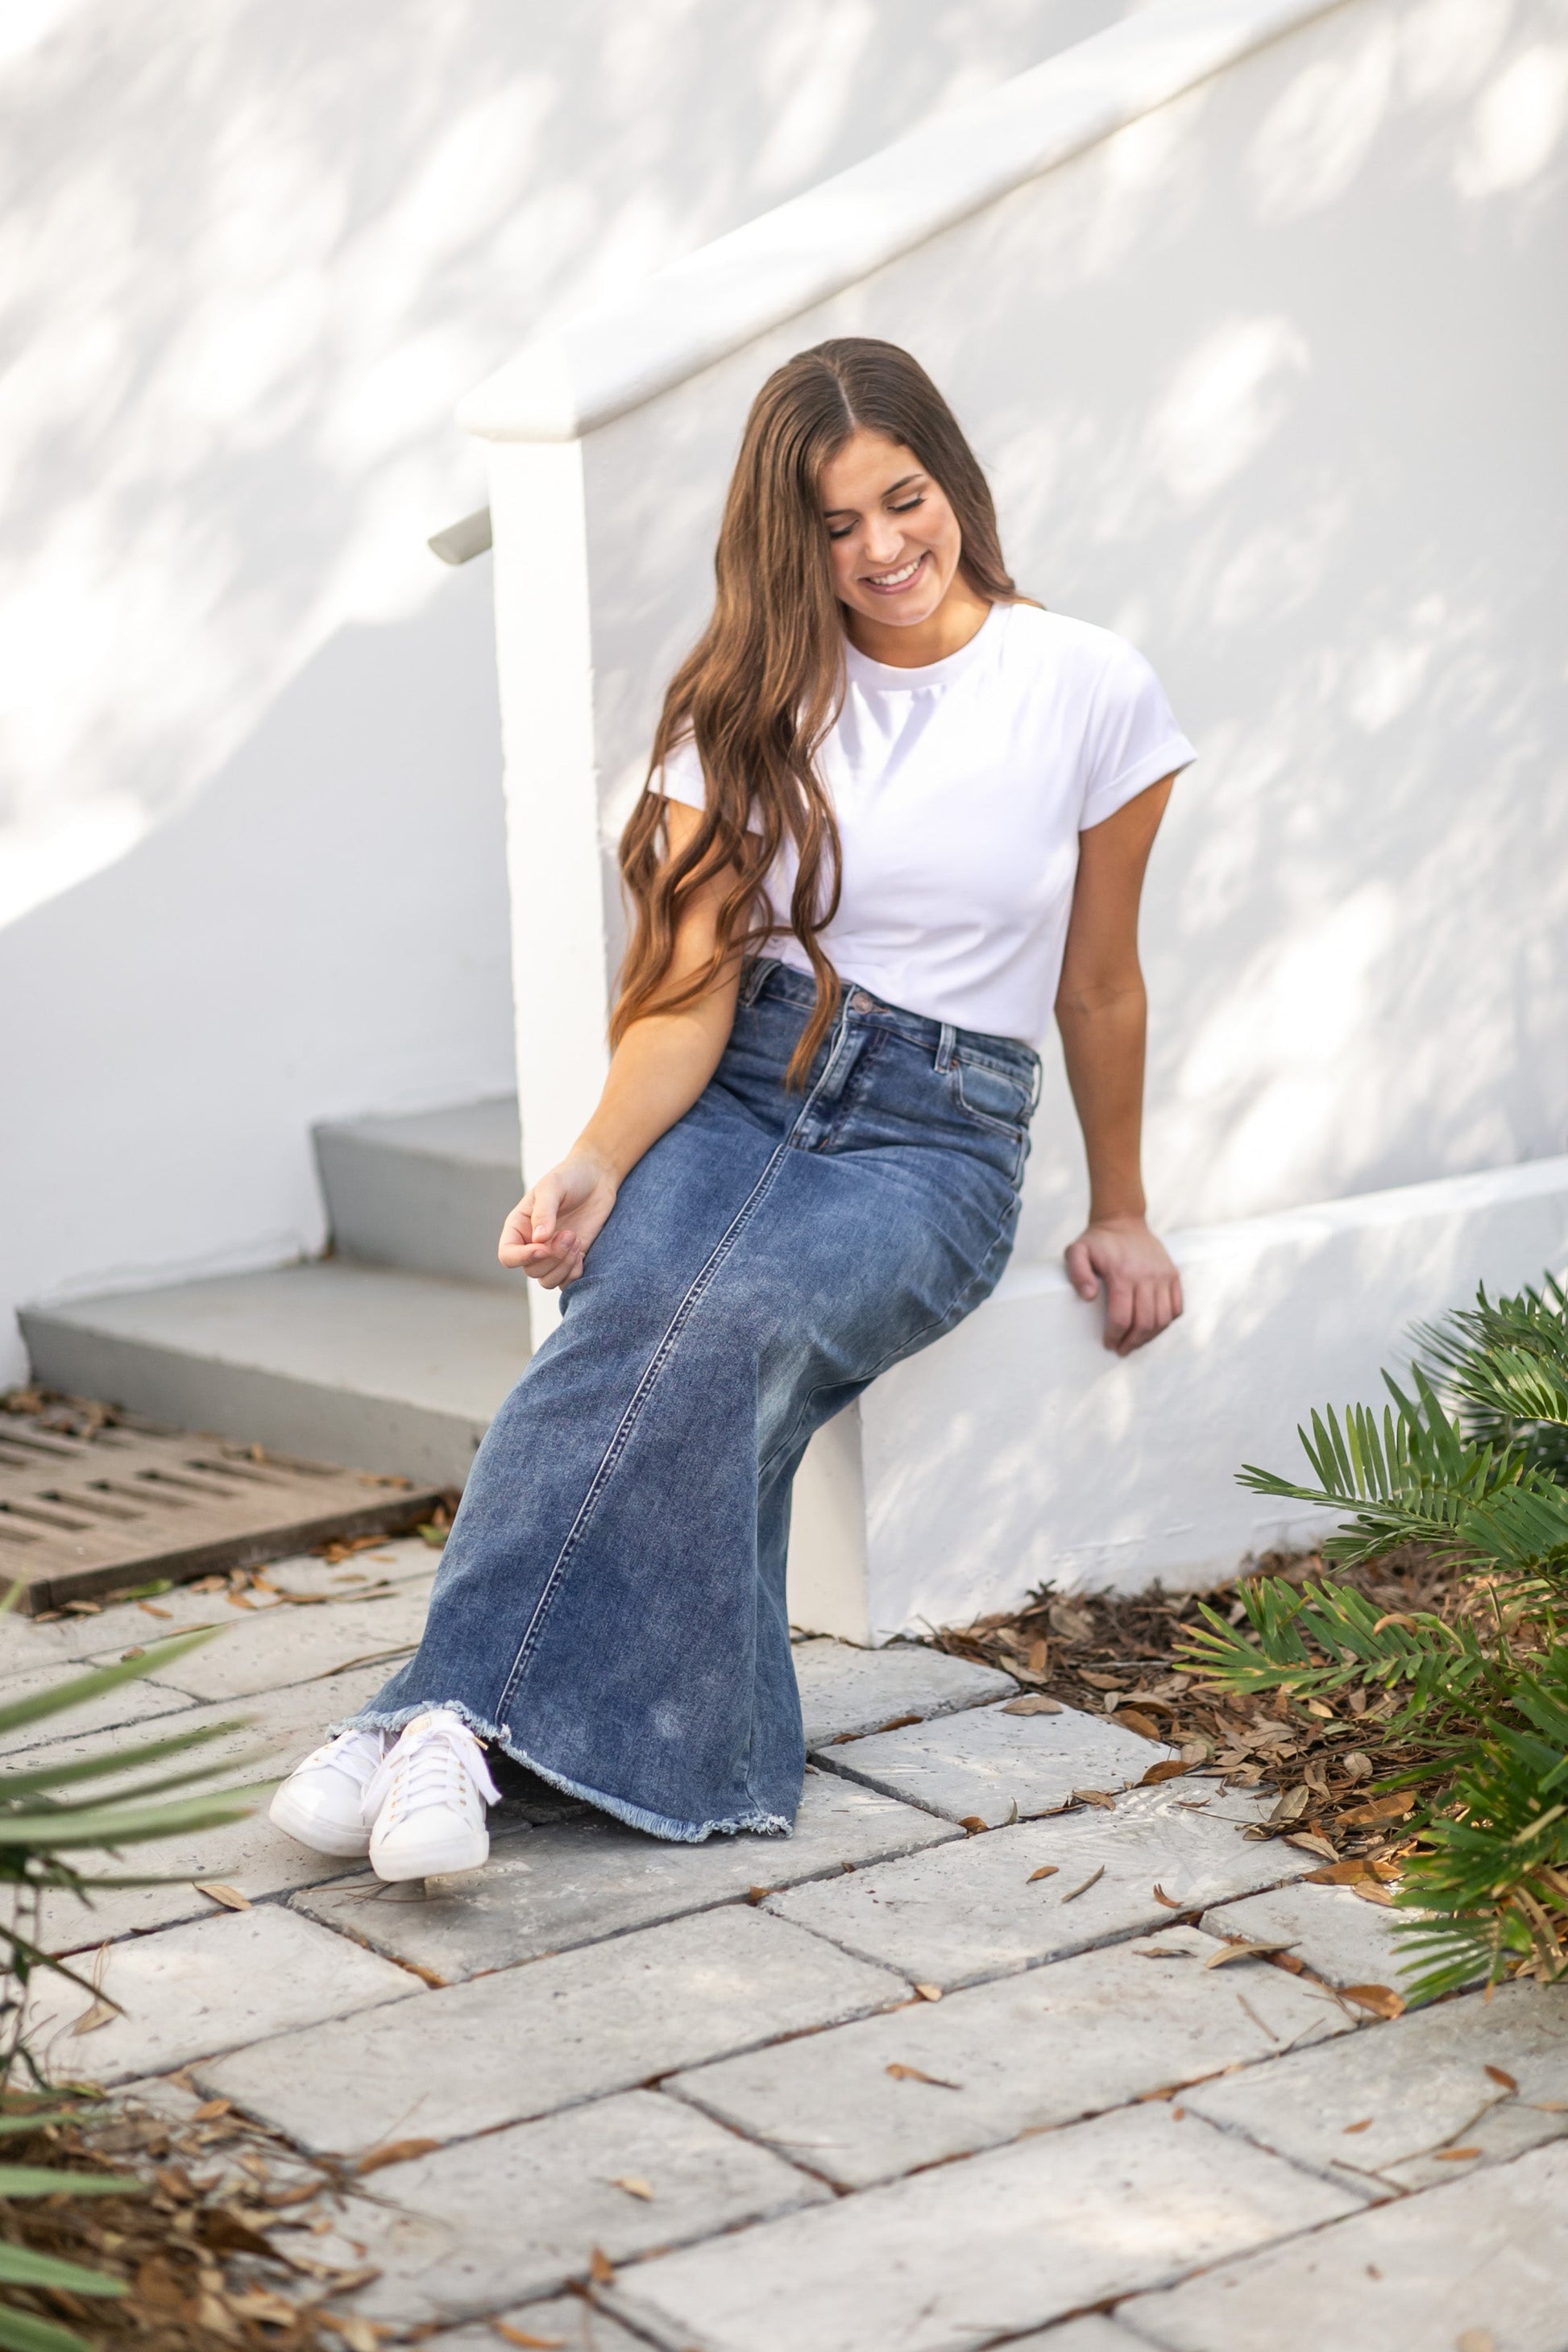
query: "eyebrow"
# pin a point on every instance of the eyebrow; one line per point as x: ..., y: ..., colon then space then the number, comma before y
x: 901, y: 484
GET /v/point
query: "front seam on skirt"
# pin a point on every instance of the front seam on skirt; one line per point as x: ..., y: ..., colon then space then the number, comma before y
x: 700, y: 1284
x: 637, y: 1817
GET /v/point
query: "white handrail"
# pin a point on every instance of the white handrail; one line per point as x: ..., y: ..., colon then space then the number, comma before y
x: 682, y: 319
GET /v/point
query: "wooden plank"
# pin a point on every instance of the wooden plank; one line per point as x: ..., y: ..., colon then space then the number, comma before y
x: 91, y: 1507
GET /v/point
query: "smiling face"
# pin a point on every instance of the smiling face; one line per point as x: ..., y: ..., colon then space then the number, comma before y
x: 893, y: 538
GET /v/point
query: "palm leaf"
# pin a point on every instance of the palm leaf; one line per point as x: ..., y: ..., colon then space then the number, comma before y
x: 21, y: 2332
x: 39, y: 2181
x: 20, y: 2266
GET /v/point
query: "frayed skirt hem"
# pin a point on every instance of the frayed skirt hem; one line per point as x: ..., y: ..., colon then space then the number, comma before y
x: 637, y: 1817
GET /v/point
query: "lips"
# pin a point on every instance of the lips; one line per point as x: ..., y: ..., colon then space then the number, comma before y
x: 893, y: 583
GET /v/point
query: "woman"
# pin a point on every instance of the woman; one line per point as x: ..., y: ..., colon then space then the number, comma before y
x: 895, y: 811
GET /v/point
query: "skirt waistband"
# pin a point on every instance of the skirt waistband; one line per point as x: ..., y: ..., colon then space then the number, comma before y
x: 766, y: 976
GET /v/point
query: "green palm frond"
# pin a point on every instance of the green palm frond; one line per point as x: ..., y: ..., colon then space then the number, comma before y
x: 1411, y: 1476
x: 22, y: 2331
x: 1506, y: 1364
x: 1493, y: 1879
x: 1313, y: 1639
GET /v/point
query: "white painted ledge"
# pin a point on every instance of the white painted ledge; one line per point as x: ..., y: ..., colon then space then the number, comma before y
x: 1015, y: 1451
x: 682, y: 319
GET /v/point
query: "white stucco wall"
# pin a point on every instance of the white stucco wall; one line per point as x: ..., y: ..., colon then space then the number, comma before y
x: 1270, y: 379
x: 251, y: 865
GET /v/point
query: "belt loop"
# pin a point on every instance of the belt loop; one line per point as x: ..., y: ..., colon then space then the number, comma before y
x: 945, y: 1045
x: 755, y: 973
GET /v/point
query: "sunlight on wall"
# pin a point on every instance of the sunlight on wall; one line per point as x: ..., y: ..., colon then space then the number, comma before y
x: 251, y: 257
x: 1229, y: 398
x: 1518, y: 123
x: 1317, y: 134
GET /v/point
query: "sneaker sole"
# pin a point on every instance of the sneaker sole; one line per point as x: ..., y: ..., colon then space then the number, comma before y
x: 436, y: 1861
x: 321, y: 1837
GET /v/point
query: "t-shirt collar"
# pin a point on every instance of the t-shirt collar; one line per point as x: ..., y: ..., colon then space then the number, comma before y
x: 886, y: 677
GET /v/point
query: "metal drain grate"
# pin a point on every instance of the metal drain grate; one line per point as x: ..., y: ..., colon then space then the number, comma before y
x: 84, y: 1514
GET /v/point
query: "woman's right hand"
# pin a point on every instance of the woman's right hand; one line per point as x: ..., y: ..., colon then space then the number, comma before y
x: 558, y: 1220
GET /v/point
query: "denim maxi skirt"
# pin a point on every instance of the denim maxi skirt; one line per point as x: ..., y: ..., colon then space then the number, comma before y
x: 610, y: 1605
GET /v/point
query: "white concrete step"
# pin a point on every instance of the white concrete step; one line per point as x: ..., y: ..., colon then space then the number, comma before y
x: 427, y: 1191
x: 372, y: 1366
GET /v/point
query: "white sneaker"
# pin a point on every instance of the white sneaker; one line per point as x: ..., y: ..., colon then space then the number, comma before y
x: 428, y: 1802
x: 322, y: 1802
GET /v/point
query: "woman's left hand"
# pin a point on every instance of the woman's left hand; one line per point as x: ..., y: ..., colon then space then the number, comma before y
x: 1143, y: 1288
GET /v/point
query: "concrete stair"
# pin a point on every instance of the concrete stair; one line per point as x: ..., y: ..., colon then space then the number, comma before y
x: 391, y: 1355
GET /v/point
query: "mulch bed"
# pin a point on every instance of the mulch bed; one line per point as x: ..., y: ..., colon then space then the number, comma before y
x: 1118, y: 1655
x: 214, y: 2253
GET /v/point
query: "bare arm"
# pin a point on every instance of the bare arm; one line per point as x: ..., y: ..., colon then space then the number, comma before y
x: 656, y: 1074
x: 1101, y: 1013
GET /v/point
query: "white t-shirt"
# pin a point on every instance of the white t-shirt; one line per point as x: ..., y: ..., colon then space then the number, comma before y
x: 960, y: 791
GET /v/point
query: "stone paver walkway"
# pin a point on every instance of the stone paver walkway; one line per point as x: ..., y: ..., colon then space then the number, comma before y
x: 952, y: 2067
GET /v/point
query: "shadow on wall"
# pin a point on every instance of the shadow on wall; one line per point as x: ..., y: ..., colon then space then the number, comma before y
x: 1271, y: 381
x: 306, y: 939
x: 256, y: 256
x: 1017, y: 1452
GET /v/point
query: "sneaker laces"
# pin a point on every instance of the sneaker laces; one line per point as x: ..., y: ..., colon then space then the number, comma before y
x: 358, y: 1752
x: 437, y: 1761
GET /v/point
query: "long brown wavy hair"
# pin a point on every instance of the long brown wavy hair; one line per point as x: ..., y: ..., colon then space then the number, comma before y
x: 764, y: 682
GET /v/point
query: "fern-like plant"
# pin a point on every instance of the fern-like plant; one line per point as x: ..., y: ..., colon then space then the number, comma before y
x: 43, y: 1822
x: 1473, y: 1464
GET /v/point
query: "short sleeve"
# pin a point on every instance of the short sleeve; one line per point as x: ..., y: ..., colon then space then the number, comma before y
x: 1132, y: 739
x: 681, y: 777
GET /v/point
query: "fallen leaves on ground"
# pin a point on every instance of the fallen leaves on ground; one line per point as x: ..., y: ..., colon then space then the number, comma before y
x: 1110, y: 1654
x: 1381, y: 2000
x: 633, y: 2184
x: 902, y: 2074
x: 396, y: 2151
x: 210, y: 2254
x: 1045, y: 1869
x: 1082, y: 1888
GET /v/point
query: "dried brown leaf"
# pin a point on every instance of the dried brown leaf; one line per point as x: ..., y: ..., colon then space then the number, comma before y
x: 1168, y: 1901
x: 229, y: 1897
x: 1045, y: 1869
x: 929, y: 1992
x: 913, y: 2075
x: 633, y: 2184
x: 396, y: 2151
x: 1258, y: 1948
x: 1136, y: 1720
x: 1172, y: 1770
x: 1033, y: 1703
x: 601, y: 2268
x: 1455, y: 2155
x: 1099, y: 1798
x: 529, y: 2343
x: 1310, y: 1842
x: 1365, y: 2125
x: 1381, y: 1999
x: 1392, y: 1808
x: 103, y: 2011
x: 1500, y: 2075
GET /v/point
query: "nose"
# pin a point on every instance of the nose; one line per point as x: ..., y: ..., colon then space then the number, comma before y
x: 884, y: 544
